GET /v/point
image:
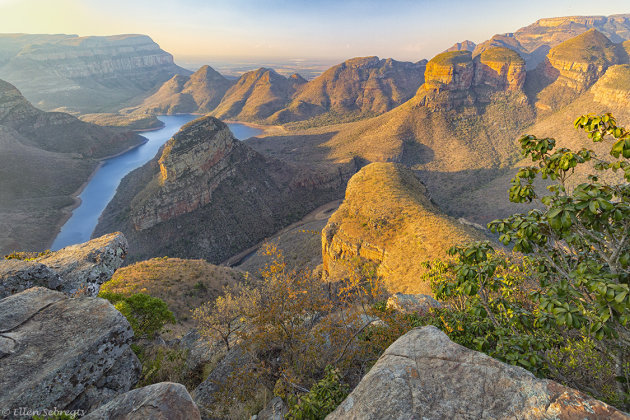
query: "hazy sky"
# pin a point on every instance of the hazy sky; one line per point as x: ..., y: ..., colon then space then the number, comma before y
x: 282, y: 29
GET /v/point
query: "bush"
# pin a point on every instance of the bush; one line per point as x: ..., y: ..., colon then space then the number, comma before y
x: 146, y: 314
x: 322, y: 399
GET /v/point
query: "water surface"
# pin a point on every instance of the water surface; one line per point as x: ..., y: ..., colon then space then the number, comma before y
x: 102, y: 187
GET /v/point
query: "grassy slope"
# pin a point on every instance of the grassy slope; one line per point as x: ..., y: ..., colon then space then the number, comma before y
x: 183, y: 284
x: 386, y: 207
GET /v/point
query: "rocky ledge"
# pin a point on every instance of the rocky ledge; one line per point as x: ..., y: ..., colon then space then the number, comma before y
x: 74, y: 269
x: 424, y: 375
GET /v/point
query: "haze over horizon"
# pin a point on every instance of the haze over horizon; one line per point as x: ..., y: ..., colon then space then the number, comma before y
x: 233, y: 30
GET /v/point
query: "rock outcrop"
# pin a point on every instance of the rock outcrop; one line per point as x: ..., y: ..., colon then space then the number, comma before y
x: 75, y: 269
x: 533, y: 42
x: 424, y: 375
x: 211, y: 196
x: 205, y: 395
x: 68, y: 353
x: 161, y: 401
x: 385, y: 218
x: 571, y: 68
x: 463, y: 46
x: 500, y: 68
x: 411, y: 303
x: 364, y: 85
x: 256, y: 95
x: 86, y: 74
x: 198, y: 93
x: 613, y: 89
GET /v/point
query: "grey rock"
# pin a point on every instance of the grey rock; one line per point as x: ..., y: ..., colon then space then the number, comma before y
x: 18, y: 275
x: 411, y: 303
x: 68, y: 353
x: 205, y: 395
x: 165, y: 400
x: 74, y: 269
x: 424, y: 375
x: 275, y: 409
x: 90, y: 264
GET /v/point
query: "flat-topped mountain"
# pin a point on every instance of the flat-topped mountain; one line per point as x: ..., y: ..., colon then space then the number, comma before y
x: 200, y: 93
x: 386, y: 219
x: 44, y: 158
x: 364, y: 85
x: 208, y: 195
x: 533, y: 42
x: 86, y: 74
x: 257, y: 95
x: 573, y: 66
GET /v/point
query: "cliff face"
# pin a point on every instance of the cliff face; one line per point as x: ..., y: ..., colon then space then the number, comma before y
x: 385, y: 218
x: 44, y: 159
x: 86, y: 74
x: 199, y: 93
x: 571, y: 68
x: 210, y: 196
x: 533, y: 42
x: 257, y: 95
x: 366, y: 85
x: 613, y: 89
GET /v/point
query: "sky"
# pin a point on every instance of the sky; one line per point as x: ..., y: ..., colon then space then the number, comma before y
x: 294, y: 29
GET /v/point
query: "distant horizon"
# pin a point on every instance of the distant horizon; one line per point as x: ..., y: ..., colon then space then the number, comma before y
x: 233, y: 31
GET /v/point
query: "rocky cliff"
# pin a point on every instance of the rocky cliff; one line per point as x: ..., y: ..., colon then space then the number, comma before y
x: 199, y: 93
x: 365, y: 85
x: 533, y: 42
x: 571, y: 68
x: 386, y: 217
x: 613, y: 89
x: 45, y: 157
x: 257, y: 95
x: 86, y: 74
x: 80, y: 268
x: 207, y: 195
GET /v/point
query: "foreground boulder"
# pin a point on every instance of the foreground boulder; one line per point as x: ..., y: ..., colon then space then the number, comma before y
x: 64, y: 353
x: 80, y: 268
x: 165, y: 400
x: 424, y: 375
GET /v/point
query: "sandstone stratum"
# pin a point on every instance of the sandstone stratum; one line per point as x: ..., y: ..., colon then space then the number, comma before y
x: 208, y: 195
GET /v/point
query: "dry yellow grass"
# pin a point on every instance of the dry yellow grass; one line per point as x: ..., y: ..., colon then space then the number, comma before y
x: 183, y: 284
x: 387, y: 216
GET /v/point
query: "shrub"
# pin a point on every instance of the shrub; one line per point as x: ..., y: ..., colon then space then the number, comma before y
x: 146, y: 314
x: 322, y: 399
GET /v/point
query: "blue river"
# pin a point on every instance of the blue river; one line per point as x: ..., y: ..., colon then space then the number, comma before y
x: 102, y: 186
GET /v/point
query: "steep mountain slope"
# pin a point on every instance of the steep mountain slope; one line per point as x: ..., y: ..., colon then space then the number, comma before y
x: 463, y: 46
x: 86, y: 74
x: 386, y: 219
x: 44, y: 158
x: 571, y: 67
x: 199, y: 93
x: 209, y: 196
x: 257, y: 95
x: 459, y: 130
x: 365, y: 85
x: 533, y: 42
